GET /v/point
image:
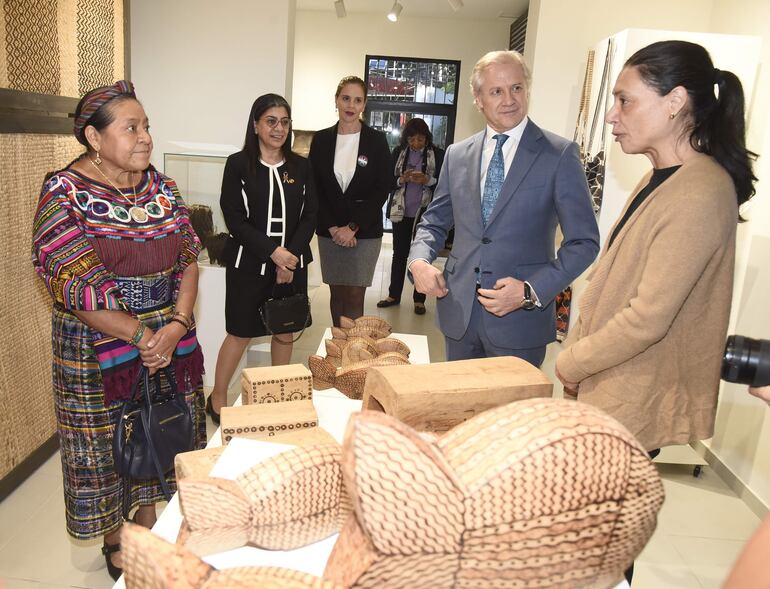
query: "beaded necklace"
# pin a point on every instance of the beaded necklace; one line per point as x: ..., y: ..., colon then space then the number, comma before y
x: 137, y: 213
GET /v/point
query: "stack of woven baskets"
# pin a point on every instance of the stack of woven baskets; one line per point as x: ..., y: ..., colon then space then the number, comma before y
x: 356, y: 346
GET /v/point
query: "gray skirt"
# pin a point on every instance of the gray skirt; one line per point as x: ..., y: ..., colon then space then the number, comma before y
x: 348, y: 266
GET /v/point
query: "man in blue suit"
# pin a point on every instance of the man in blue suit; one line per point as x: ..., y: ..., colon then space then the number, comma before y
x: 505, y: 190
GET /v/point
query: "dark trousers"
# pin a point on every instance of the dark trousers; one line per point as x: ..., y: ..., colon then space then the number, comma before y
x: 402, y: 239
x: 476, y: 344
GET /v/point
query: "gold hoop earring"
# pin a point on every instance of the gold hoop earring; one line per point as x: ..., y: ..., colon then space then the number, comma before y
x: 98, y: 160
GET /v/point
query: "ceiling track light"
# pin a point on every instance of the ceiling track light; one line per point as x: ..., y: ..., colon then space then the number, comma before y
x: 455, y: 4
x: 395, y: 11
x: 339, y: 6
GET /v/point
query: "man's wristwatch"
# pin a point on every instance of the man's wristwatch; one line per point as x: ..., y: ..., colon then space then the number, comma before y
x: 353, y: 226
x: 527, y: 303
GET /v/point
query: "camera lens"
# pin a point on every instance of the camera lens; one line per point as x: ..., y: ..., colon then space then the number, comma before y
x: 746, y: 361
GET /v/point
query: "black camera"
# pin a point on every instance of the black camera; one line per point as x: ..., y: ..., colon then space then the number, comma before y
x: 746, y: 361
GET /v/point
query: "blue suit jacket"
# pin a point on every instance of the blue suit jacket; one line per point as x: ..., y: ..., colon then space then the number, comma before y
x: 545, y: 187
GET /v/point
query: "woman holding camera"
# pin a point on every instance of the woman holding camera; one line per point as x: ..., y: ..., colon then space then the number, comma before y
x: 648, y: 342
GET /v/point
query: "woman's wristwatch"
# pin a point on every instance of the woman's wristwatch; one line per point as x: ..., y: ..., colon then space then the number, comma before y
x: 353, y: 226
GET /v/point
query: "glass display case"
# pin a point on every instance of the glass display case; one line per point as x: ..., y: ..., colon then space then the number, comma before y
x: 199, y: 178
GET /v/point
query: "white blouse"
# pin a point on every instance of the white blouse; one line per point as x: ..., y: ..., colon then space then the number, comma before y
x: 345, y: 157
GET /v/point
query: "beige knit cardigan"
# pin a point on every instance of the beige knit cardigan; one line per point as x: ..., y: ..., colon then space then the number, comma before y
x: 648, y: 342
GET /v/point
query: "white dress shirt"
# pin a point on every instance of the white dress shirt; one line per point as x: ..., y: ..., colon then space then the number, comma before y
x: 345, y: 158
x: 509, y: 148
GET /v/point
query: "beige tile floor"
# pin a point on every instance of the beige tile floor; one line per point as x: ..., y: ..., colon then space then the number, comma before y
x: 701, y: 529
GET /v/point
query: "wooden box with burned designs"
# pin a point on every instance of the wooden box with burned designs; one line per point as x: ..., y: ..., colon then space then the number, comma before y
x: 267, y: 420
x: 276, y: 384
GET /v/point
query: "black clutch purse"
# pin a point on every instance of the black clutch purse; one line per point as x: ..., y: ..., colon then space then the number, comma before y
x: 287, y: 314
x: 151, y: 431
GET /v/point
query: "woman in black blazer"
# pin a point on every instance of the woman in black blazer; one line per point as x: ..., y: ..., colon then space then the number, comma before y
x: 351, y: 165
x: 270, y: 209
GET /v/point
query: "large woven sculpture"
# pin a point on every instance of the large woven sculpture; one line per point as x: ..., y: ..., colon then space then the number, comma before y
x: 152, y: 563
x: 541, y: 493
x: 290, y: 500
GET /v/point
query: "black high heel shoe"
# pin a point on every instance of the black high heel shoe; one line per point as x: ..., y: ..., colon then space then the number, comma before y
x: 107, y: 551
x: 210, y: 410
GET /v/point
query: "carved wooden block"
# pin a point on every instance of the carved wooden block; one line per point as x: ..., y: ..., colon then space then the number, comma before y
x: 197, y: 463
x: 275, y: 384
x: 266, y: 421
x: 436, y: 397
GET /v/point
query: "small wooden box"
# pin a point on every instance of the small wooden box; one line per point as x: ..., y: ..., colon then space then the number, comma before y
x: 436, y: 397
x: 275, y: 384
x: 267, y: 420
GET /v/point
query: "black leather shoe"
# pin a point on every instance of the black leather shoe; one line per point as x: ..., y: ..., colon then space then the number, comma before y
x: 107, y: 551
x: 388, y: 303
x: 210, y: 410
x: 419, y: 309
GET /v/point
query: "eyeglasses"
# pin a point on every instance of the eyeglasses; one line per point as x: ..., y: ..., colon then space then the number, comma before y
x: 272, y: 122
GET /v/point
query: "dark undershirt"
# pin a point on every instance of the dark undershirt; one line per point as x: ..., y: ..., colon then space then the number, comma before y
x: 658, y: 178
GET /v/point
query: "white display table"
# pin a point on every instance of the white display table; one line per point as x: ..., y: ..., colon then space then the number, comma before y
x: 334, y: 410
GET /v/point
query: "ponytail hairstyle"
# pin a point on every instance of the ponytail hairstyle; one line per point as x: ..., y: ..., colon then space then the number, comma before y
x: 716, y: 105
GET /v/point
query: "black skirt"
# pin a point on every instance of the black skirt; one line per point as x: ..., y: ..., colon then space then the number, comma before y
x: 247, y: 291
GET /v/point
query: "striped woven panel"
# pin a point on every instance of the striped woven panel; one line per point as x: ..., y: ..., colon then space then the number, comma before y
x: 60, y: 47
x: 26, y: 407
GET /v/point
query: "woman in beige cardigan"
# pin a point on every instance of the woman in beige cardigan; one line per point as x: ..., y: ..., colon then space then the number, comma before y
x: 648, y: 341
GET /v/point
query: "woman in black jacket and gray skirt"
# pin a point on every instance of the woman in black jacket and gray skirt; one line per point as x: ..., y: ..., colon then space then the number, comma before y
x: 351, y: 164
x: 270, y: 209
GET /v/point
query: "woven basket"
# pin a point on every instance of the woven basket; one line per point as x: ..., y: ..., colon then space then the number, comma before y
x: 358, y: 349
x: 391, y: 344
x: 323, y: 371
x: 373, y: 322
x: 350, y: 379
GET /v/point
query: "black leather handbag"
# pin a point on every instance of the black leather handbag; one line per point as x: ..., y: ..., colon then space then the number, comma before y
x: 287, y: 314
x: 152, y: 429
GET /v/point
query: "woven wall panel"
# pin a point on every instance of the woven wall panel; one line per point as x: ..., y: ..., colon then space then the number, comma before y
x: 26, y: 402
x: 32, y: 45
x: 60, y: 47
x: 96, y: 46
x: 57, y: 47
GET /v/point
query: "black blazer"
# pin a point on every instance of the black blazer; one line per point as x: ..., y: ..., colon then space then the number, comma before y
x: 250, y: 245
x: 368, y: 189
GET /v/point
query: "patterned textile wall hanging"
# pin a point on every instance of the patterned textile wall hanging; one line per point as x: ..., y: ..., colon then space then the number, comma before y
x: 563, y: 301
x: 48, y: 49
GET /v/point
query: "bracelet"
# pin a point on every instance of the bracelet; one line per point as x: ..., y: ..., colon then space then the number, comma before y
x: 182, y: 323
x: 187, y: 320
x: 138, y: 334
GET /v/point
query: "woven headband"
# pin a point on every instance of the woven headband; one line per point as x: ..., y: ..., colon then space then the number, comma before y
x: 97, y: 98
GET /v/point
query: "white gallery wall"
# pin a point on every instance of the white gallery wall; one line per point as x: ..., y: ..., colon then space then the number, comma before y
x: 328, y: 48
x: 559, y: 35
x: 198, y: 66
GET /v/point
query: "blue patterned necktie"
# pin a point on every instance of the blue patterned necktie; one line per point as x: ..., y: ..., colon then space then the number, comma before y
x: 494, y: 180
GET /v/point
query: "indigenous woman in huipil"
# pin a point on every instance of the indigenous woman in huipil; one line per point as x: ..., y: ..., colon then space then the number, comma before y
x: 113, y: 243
